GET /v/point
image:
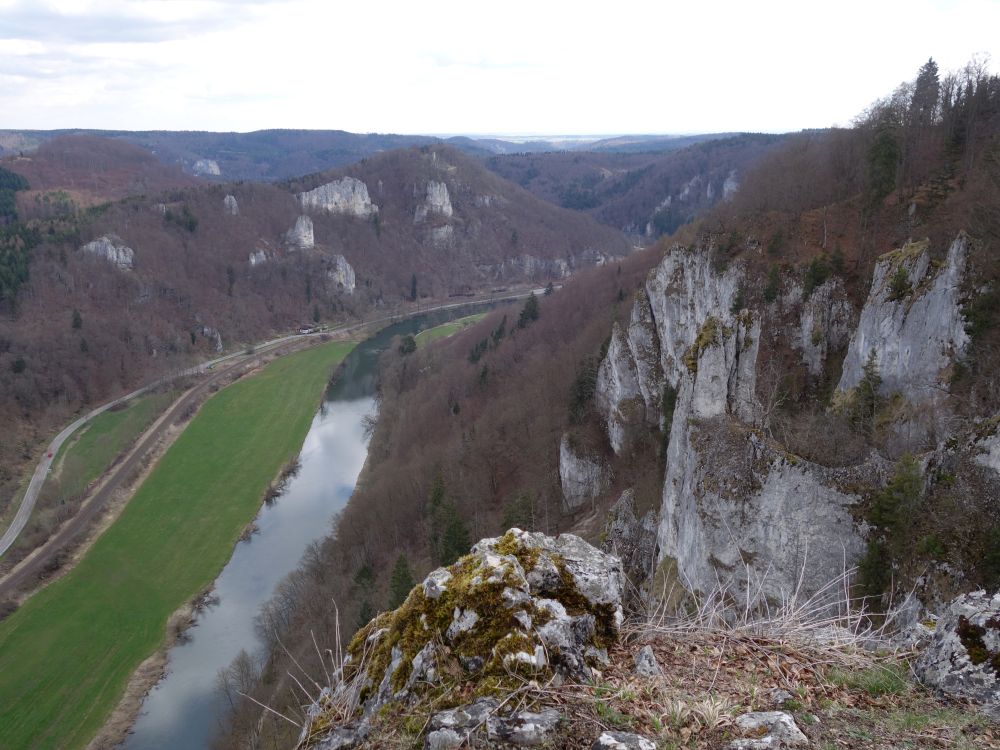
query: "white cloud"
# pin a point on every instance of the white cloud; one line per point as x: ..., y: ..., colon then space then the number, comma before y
x: 468, y: 67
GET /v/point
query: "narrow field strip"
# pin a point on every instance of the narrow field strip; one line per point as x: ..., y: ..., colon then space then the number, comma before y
x: 447, y: 329
x: 67, y: 654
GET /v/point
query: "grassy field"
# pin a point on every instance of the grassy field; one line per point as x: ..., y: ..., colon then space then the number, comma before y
x: 67, y: 654
x: 446, y: 329
x: 86, y: 455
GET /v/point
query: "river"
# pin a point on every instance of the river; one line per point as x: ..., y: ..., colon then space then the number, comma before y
x: 184, y: 710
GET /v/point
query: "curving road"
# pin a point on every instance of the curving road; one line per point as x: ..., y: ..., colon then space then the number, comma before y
x: 41, y: 557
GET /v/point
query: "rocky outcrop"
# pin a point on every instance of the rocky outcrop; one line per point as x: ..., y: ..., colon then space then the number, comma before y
x: 825, y: 324
x: 528, y: 266
x: 230, y: 206
x: 912, y: 321
x: 113, y: 250
x: 258, y: 256
x: 617, y: 391
x: 214, y: 335
x: 347, y: 195
x: 986, y: 451
x: 436, y: 201
x: 630, y: 538
x: 741, y: 515
x: 730, y: 186
x: 300, y: 236
x: 583, y: 477
x: 629, y: 383
x: 769, y: 730
x: 206, y: 168
x: 684, y: 292
x: 963, y: 658
x: 734, y: 505
x: 522, y: 603
x: 622, y: 741
x: 341, y: 274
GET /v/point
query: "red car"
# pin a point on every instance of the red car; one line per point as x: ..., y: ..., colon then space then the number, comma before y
x: 50, y: 454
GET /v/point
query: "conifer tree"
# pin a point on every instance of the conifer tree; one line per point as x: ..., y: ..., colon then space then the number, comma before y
x: 400, y: 583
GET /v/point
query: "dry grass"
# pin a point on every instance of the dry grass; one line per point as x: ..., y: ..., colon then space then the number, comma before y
x: 848, y: 688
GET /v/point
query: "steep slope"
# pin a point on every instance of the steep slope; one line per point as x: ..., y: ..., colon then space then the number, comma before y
x: 648, y: 194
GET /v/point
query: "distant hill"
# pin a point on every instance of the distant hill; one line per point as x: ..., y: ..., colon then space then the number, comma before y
x: 647, y: 194
x: 95, y: 300
x: 280, y: 154
x: 94, y: 170
x: 651, y: 144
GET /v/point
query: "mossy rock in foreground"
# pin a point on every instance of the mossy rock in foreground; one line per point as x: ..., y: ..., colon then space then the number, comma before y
x: 522, y: 603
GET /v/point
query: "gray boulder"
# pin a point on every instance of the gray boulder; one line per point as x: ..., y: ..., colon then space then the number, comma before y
x: 963, y: 657
x: 525, y: 728
x: 773, y: 729
x: 646, y: 664
x: 623, y: 741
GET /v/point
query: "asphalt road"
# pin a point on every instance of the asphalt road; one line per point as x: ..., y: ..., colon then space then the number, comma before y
x: 28, y: 569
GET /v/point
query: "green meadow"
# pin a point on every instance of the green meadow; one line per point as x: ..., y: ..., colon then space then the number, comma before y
x: 67, y: 654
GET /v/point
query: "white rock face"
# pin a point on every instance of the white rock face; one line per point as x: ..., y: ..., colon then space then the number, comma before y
x: 986, y: 452
x: 206, y: 168
x: 730, y: 186
x: 258, y: 256
x: 213, y: 334
x: 301, y: 235
x: 437, y: 201
x: 629, y: 384
x: 341, y: 273
x: 112, y: 250
x: 729, y: 498
x: 683, y: 293
x: 915, y: 339
x: 825, y: 323
x: 347, y: 195
x: 617, y: 392
x: 230, y: 205
x: 966, y: 640
x: 583, y: 478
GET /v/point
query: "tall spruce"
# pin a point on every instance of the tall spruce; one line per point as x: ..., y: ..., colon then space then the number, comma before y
x: 401, y: 582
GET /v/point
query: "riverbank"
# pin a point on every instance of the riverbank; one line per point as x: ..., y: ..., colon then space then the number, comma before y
x: 67, y: 655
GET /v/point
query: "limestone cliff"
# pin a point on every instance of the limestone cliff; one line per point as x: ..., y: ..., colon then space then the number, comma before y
x: 583, y: 477
x: 737, y: 508
x: 912, y: 321
x: 347, y: 195
x: 113, y: 250
x: 436, y: 201
x: 300, y: 236
x: 341, y: 274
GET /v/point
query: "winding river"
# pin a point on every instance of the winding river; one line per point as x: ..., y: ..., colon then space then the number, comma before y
x: 184, y: 710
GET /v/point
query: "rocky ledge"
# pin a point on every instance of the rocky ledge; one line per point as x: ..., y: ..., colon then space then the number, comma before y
x: 521, y: 606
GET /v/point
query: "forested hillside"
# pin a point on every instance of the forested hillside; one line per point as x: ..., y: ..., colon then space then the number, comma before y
x: 742, y: 370
x: 97, y: 298
x: 649, y: 193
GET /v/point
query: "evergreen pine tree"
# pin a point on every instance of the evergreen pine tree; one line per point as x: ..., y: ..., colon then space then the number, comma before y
x: 455, y: 537
x: 400, y: 583
x: 529, y: 313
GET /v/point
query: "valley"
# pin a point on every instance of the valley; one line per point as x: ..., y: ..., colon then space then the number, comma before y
x: 323, y: 440
x: 169, y: 543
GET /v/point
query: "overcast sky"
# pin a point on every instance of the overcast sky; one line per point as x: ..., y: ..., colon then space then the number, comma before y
x: 470, y: 67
